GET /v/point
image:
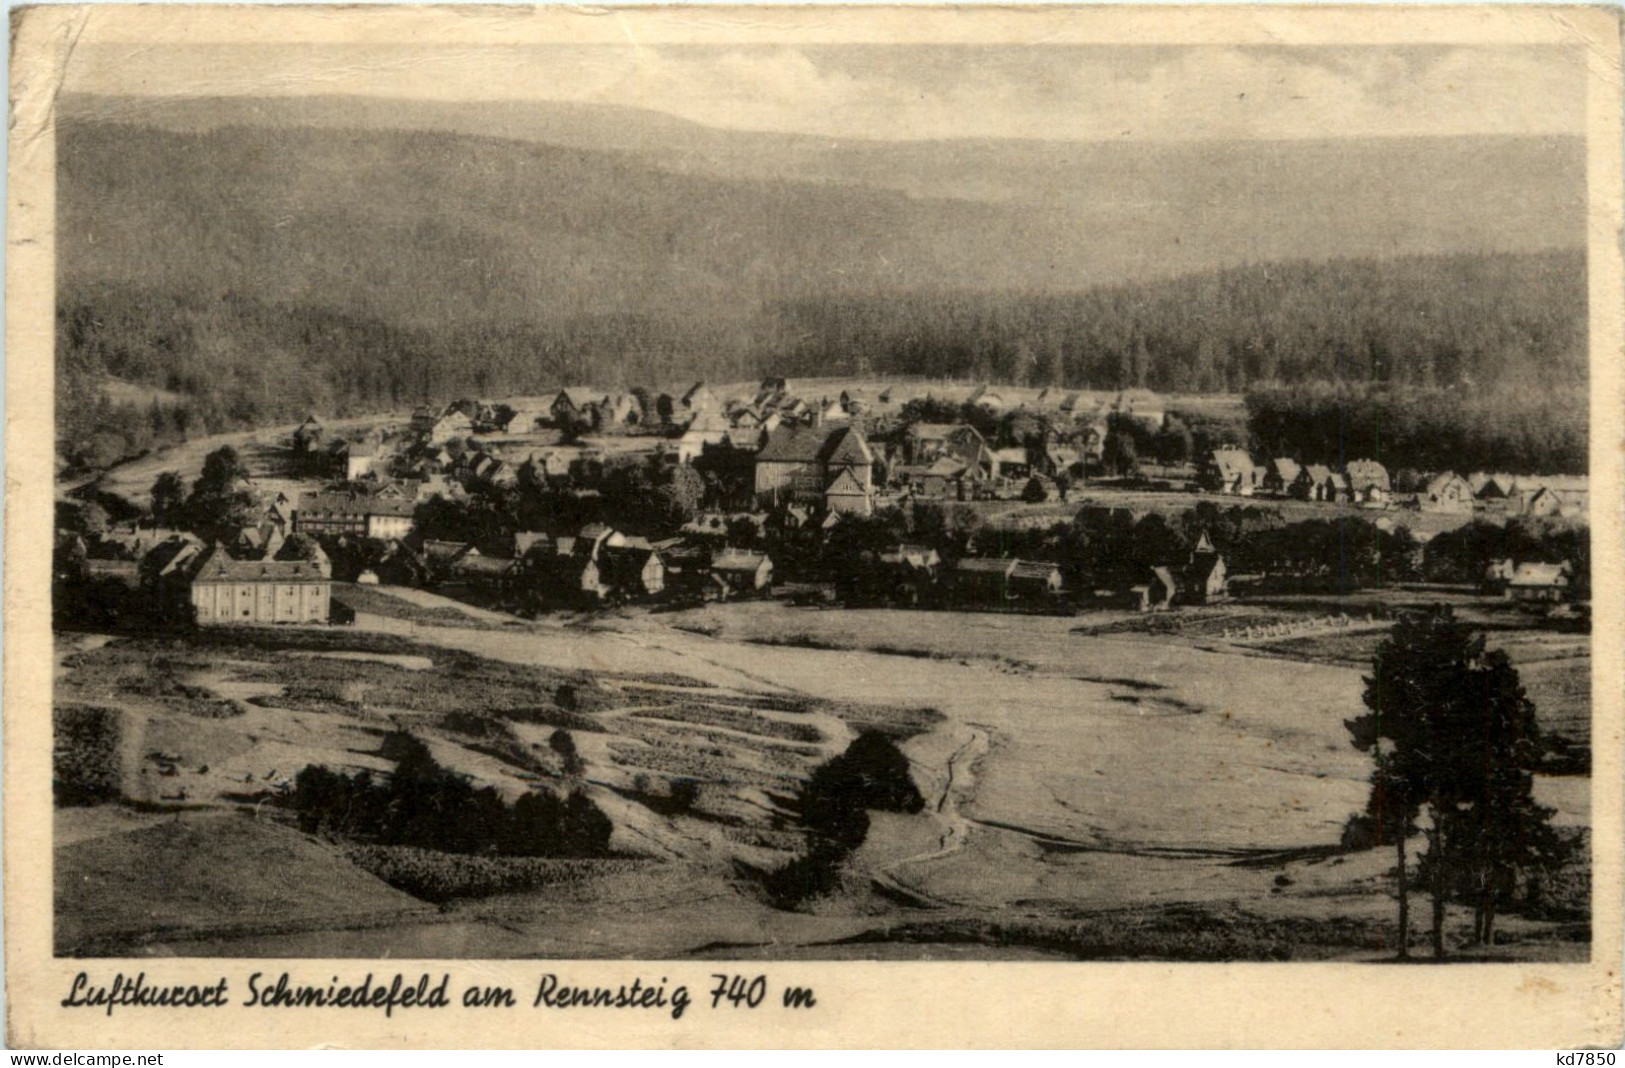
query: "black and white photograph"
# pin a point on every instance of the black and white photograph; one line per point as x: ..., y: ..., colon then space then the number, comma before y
x: 839, y: 499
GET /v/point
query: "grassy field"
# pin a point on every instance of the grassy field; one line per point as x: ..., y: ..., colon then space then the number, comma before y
x: 1044, y: 746
x: 222, y: 873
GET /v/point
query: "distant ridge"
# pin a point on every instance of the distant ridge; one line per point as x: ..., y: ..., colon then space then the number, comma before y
x: 262, y: 256
x: 595, y: 209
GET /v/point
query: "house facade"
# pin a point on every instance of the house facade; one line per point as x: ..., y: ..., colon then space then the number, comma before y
x: 737, y: 571
x: 988, y: 580
x: 1279, y: 475
x: 1448, y: 492
x: 1533, y: 583
x: 1367, y: 481
x: 831, y: 465
x: 227, y: 591
x: 356, y: 514
x: 360, y: 458
x: 1317, y: 482
x: 1206, y: 577
x: 1229, y: 471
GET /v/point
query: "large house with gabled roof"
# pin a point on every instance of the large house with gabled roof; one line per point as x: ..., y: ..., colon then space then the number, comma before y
x: 225, y: 590
x: 832, y: 465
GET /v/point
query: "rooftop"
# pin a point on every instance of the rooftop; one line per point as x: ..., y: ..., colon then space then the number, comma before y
x: 217, y: 565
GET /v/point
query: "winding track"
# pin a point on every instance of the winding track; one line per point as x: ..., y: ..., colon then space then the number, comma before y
x: 958, y: 783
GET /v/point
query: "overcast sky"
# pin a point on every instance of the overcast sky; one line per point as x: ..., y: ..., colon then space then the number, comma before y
x: 913, y: 92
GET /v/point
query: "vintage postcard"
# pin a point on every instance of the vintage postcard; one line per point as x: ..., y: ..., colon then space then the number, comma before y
x: 858, y: 526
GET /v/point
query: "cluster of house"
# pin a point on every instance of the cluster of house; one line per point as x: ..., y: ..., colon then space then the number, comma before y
x: 595, y: 566
x: 250, y: 581
x: 316, y: 452
x: 1366, y: 482
x: 914, y: 574
x: 953, y: 461
x: 1543, y: 496
x: 1232, y: 471
x: 767, y: 449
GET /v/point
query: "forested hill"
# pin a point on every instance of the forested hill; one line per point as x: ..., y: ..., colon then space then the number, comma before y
x: 262, y: 269
x: 429, y: 226
x: 1481, y: 322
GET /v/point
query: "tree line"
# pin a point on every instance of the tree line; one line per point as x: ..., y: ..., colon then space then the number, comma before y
x: 1512, y: 428
x: 1416, y: 321
x: 236, y: 362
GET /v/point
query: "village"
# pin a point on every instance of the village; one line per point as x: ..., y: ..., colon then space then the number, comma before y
x: 635, y: 629
x: 958, y: 502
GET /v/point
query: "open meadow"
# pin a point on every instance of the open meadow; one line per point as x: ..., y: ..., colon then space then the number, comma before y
x: 1094, y: 786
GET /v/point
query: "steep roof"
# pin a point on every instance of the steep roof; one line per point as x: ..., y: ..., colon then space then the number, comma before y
x: 806, y: 444
x: 447, y: 550
x: 355, y: 504
x: 475, y: 564
x: 844, y: 484
x: 1286, y: 468
x: 913, y: 555
x: 942, y: 431
x: 578, y: 396
x: 1202, y: 566
x: 985, y: 565
x: 525, y: 540
x: 217, y: 565
x: 1439, y: 483
x: 1232, y: 462
x: 737, y: 560
x: 1531, y: 574
x: 1364, y: 473
x: 126, y: 571
x: 1033, y: 569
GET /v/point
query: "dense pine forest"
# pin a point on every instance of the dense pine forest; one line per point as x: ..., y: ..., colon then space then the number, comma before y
x: 1421, y: 321
x: 1484, y: 329
x: 1503, y: 427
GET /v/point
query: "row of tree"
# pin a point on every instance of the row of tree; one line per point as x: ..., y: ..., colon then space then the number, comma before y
x: 425, y: 805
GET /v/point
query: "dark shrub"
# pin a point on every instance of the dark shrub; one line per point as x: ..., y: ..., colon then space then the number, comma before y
x: 565, y: 746
x: 85, y: 755
x: 812, y: 875
x: 685, y: 794
x: 436, y: 876
x: 872, y: 774
x: 430, y: 807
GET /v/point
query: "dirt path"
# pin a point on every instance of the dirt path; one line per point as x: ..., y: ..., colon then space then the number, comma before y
x: 959, y: 781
